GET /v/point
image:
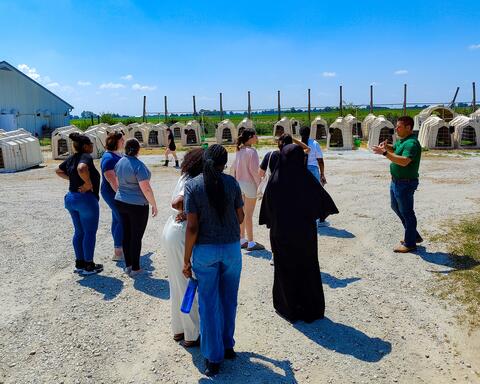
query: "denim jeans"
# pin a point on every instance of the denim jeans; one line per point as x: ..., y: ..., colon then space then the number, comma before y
x: 116, y: 228
x: 83, y: 207
x: 315, y: 171
x: 401, y: 200
x: 217, y: 268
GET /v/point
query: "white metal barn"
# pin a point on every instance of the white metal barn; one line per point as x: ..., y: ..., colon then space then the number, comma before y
x: 340, y: 135
x: 157, y: 135
x: 226, y: 132
x: 282, y: 126
x: 436, y: 133
x: 191, y: 133
x: 366, y: 123
x: 28, y: 104
x: 466, y: 132
x: 318, y: 129
x: 177, y: 129
x: 62, y: 146
x: 445, y: 113
x: 380, y: 130
x: 245, y: 123
x: 354, y: 124
x: 19, y: 150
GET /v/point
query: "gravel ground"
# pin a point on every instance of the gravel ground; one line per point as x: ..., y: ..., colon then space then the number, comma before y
x: 383, y: 321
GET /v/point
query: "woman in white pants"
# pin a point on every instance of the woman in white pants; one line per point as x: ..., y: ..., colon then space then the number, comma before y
x: 184, y: 326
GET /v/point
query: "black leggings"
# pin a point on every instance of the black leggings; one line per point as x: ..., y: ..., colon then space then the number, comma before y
x: 134, y: 221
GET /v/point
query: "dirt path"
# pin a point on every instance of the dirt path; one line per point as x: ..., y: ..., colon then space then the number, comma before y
x: 383, y: 321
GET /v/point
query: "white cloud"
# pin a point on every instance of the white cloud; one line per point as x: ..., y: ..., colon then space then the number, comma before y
x: 30, y: 72
x: 329, y: 74
x: 138, y: 87
x: 400, y: 72
x: 53, y: 85
x: 111, y: 86
x: 84, y: 83
x: 127, y: 77
x: 474, y: 46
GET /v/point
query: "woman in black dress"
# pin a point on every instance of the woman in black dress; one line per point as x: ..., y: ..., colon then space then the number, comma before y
x: 171, y: 148
x: 297, y: 286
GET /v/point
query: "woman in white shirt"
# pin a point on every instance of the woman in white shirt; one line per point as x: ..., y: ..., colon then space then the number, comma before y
x: 184, y: 326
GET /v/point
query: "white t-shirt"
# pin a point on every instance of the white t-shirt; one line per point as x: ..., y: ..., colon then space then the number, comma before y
x: 179, y: 189
x: 315, y: 152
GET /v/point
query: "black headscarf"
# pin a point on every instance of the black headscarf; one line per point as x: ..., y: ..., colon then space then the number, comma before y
x: 294, y: 198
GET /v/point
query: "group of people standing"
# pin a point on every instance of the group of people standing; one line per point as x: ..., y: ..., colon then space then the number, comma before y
x: 212, y: 220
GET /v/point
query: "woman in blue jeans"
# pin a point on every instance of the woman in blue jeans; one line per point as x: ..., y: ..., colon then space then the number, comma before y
x: 214, y: 207
x: 81, y: 201
x: 114, y: 143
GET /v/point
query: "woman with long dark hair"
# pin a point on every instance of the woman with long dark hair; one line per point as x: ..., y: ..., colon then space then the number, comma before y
x: 214, y: 208
x: 114, y: 144
x: 245, y: 169
x: 81, y: 201
x: 184, y: 326
x: 297, y: 286
x: 134, y: 194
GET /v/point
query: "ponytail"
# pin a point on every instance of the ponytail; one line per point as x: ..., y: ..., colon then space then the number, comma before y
x: 214, y: 159
x: 246, y: 135
x: 79, y: 141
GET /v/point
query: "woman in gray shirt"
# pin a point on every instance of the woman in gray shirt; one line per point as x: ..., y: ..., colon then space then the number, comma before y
x: 133, y: 196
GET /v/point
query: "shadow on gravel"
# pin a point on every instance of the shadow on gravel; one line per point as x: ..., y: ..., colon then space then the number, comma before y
x: 247, y: 367
x: 149, y: 285
x: 334, y: 232
x: 108, y: 286
x: 263, y: 254
x: 334, y: 282
x: 345, y: 340
x: 456, y: 262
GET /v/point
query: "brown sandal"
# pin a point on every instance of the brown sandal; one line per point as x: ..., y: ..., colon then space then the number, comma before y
x: 178, y: 337
x: 190, y: 344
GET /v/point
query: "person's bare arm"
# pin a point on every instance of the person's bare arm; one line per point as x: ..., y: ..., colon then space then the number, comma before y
x: 112, y: 179
x: 191, y: 235
x: 61, y: 174
x: 400, y: 160
x: 321, y: 165
x: 240, y: 215
x: 178, y: 205
x: 261, y: 172
x: 148, y: 193
x: 304, y: 146
x: 84, y: 174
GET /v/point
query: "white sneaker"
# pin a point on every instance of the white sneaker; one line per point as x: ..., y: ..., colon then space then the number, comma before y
x: 127, y: 270
x: 323, y: 224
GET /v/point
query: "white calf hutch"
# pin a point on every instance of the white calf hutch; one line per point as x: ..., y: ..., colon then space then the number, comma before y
x: 380, y: 130
x: 436, y: 133
x: 140, y: 132
x: 466, y: 132
x: 62, y: 146
x: 318, y: 129
x: 354, y: 124
x: 282, y: 126
x: 340, y: 135
x: 295, y: 126
x: 245, y: 123
x: 445, y: 113
x: 476, y: 115
x: 19, y: 150
x: 226, y: 132
x: 177, y: 129
x: 119, y: 127
x: 157, y: 135
x: 191, y: 133
x: 366, y: 123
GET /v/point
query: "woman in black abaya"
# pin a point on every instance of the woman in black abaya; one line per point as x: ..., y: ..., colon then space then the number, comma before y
x: 297, y: 286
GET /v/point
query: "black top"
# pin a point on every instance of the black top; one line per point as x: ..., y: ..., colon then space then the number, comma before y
x: 171, y: 142
x: 273, y: 162
x: 291, y: 180
x: 69, y: 166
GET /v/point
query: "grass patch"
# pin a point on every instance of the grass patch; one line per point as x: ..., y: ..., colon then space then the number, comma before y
x: 44, y: 141
x: 463, y: 283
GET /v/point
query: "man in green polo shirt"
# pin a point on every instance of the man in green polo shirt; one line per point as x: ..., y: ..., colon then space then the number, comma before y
x: 405, y: 159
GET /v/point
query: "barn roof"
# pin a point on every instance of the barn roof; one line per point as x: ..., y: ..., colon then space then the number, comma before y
x: 6, y: 66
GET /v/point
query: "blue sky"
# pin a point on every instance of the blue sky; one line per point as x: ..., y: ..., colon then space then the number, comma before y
x: 104, y: 56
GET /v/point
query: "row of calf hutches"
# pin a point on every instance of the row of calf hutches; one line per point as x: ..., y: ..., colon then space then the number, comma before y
x: 227, y: 133
x: 380, y: 129
x: 19, y: 150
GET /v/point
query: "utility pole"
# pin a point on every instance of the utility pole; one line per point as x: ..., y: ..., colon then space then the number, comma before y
x: 221, y: 106
x: 249, y: 106
x: 144, y: 109
x: 341, y: 100
x: 194, y: 107
x: 166, y: 109
x: 404, y: 99
x: 371, y: 98
x: 278, y: 101
x: 309, y: 107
